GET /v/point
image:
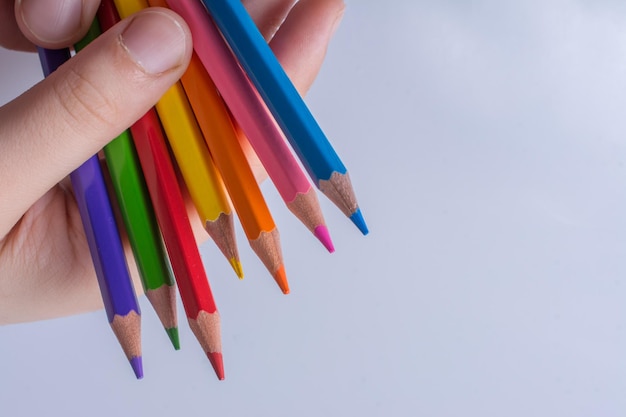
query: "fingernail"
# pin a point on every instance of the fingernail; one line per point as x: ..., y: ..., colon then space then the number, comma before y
x: 52, y: 20
x: 155, y: 41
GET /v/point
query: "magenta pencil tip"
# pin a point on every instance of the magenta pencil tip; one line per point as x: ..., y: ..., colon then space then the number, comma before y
x: 321, y: 232
x: 137, y: 364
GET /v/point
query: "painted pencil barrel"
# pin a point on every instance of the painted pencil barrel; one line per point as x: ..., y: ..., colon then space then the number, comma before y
x: 105, y: 245
x: 134, y: 201
x: 102, y: 234
x: 281, y: 97
x: 138, y: 213
x: 99, y: 223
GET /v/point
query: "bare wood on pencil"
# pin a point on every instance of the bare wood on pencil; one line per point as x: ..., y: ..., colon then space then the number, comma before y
x: 267, y: 248
x: 307, y: 209
x: 163, y: 299
x: 221, y: 231
x: 338, y: 189
x: 207, y: 329
x: 128, y: 331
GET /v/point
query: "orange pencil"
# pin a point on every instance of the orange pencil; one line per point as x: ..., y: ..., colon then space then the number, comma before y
x: 219, y: 133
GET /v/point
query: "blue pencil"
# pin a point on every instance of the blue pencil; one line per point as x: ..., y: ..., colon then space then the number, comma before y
x: 306, y: 137
x: 104, y: 242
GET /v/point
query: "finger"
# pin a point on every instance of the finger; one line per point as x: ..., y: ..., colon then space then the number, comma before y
x: 268, y: 14
x: 55, y: 23
x: 11, y: 37
x: 51, y: 129
x: 301, y: 42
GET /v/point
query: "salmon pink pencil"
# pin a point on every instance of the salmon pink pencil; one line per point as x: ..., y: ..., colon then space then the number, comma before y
x: 281, y: 97
x: 253, y: 117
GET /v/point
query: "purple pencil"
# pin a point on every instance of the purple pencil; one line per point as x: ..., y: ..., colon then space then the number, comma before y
x: 104, y: 242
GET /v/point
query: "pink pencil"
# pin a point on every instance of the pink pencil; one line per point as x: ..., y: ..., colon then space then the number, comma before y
x: 256, y: 122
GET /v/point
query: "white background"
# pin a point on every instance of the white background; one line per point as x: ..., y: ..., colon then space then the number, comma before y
x: 486, y: 142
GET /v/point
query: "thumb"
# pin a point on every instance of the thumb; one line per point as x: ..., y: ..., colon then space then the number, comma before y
x: 50, y: 130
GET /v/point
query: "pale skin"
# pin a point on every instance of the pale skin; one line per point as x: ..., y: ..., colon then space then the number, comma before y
x: 45, y: 266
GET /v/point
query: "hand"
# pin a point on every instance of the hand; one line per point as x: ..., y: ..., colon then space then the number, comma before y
x: 45, y: 265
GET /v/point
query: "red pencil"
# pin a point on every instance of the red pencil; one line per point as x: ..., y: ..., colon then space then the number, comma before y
x: 171, y: 214
x: 180, y: 243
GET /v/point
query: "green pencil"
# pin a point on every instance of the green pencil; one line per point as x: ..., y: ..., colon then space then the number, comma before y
x: 140, y: 221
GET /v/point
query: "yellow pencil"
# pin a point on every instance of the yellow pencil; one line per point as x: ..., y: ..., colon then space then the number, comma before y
x: 201, y: 177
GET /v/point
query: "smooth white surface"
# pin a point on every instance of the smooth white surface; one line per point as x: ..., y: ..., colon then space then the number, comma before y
x: 486, y: 142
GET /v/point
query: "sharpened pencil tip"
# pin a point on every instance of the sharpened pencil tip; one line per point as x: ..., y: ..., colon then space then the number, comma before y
x: 281, y: 279
x: 137, y: 364
x: 172, y: 333
x: 217, y: 362
x: 321, y: 232
x: 236, y: 264
x: 359, y: 221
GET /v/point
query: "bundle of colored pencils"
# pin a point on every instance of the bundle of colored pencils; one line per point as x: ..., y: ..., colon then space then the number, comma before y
x: 234, y: 90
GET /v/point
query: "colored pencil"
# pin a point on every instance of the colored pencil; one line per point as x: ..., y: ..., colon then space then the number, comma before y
x: 218, y: 130
x: 267, y: 141
x: 252, y: 115
x: 294, y: 187
x: 286, y: 104
x: 171, y: 214
x: 140, y: 223
x: 104, y: 242
x: 202, y: 178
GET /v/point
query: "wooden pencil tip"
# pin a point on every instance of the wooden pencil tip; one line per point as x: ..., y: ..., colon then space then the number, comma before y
x: 127, y: 329
x: 321, y: 232
x: 217, y: 362
x: 281, y: 279
x: 172, y: 333
x: 222, y: 231
x: 359, y: 221
x: 236, y: 264
x: 137, y: 364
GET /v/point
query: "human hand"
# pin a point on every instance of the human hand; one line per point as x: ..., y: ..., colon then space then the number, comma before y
x: 45, y: 265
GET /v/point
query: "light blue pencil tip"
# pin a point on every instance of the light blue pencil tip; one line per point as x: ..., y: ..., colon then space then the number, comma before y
x: 357, y: 219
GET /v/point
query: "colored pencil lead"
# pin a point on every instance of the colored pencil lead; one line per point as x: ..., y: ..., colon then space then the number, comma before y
x: 281, y: 279
x: 172, y: 333
x: 321, y: 232
x: 137, y: 365
x: 218, y: 363
x: 357, y: 219
x: 206, y: 328
x: 163, y: 299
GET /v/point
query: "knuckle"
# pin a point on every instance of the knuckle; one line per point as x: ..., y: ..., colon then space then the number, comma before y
x: 84, y: 103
